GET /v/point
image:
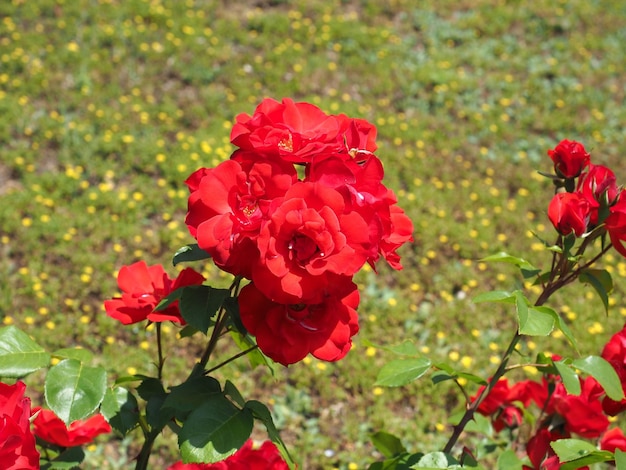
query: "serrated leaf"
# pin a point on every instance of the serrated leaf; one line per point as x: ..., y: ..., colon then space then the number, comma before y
x: 601, y: 281
x: 190, y: 394
x: 262, y: 413
x: 569, y: 377
x: 121, y: 409
x: 19, y: 354
x: 402, y: 371
x: 573, y: 450
x: 437, y: 460
x: 199, y: 304
x: 508, y: 460
x: 532, y: 321
x: 528, y: 270
x: 601, y: 370
x: 70, y: 458
x: 387, y: 444
x: 190, y: 252
x: 495, y: 296
x: 214, y: 431
x: 73, y: 390
x: 82, y: 355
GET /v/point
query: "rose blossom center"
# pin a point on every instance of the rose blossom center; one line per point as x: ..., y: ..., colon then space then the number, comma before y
x: 248, y: 209
x: 300, y: 313
x: 286, y: 144
x: 302, y: 249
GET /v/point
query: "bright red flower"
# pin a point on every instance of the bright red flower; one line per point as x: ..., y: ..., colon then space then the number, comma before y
x: 539, y: 451
x: 249, y: 457
x: 616, y: 223
x: 598, y: 185
x: 288, y: 333
x: 582, y: 414
x: 231, y: 202
x: 50, y: 428
x: 308, y: 239
x: 615, y: 353
x: 570, y: 158
x: 143, y: 287
x: 359, y: 181
x: 569, y: 213
x: 17, y: 442
x: 504, y: 403
x: 613, y: 439
x: 294, y: 131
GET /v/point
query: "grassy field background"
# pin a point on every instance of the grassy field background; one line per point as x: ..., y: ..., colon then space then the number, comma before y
x: 107, y: 106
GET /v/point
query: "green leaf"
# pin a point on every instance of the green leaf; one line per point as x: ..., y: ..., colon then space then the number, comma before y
x: 601, y: 281
x: 70, y: 458
x: 495, y: 296
x: 402, y: 371
x: 447, y: 372
x: 620, y: 459
x: 74, y: 391
x: 19, y: 354
x: 600, y: 369
x: 230, y: 390
x: 387, y: 444
x: 437, y: 460
x: 528, y: 270
x: 569, y: 376
x: 532, y: 321
x: 214, y: 431
x: 121, y: 410
x: 190, y: 253
x: 561, y: 325
x: 82, y: 355
x: 262, y: 413
x: 508, y: 460
x: 190, y: 394
x: 198, y: 304
x: 576, y: 453
x: 256, y: 357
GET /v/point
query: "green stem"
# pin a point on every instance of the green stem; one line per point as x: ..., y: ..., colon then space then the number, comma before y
x: 144, y: 455
x: 231, y: 359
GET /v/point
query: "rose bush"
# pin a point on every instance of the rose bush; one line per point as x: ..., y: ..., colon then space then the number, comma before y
x: 294, y: 213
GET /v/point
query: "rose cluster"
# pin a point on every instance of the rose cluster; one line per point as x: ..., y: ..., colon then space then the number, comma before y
x: 586, y: 415
x: 19, y: 425
x: 588, y: 197
x: 298, y: 209
x: 563, y: 415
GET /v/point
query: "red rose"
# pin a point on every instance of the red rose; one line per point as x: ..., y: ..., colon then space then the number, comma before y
x: 17, y: 442
x: 569, y: 157
x: 359, y: 181
x: 615, y: 353
x: 294, y: 131
x: 569, y: 213
x: 143, y: 287
x: 613, y: 439
x: 52, y: 429
x: 308, y: 239
x: 288, y: 333
x: 249, y: 457
x: 231, y: 202
x: 616, y: 223
x: 582, y: 413
x: 539, y: 451
x: 598, y: 185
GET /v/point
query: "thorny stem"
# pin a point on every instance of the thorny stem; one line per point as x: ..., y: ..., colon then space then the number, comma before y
x: 231, y: 359
x: 555, y: 283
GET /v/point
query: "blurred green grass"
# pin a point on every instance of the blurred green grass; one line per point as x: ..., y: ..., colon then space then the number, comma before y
x: 106, y: 107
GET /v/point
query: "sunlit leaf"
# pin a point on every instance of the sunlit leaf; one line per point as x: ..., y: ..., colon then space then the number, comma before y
x: 19, y: 354
x: 402, y: 371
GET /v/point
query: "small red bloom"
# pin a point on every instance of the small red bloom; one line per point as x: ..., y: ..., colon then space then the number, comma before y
x: 229, y: 204
x: 17, y: 442
x: 598, y: 185
x: 613, y: 439
x: 569, y: 157
x: 615, y: 353
x: 288, y: 333
x: 52, y: 429
x: 616, y: 223
x: 143, y: 287
x: 249, y: 457
x: 569, y: 213
x: 308, y: 239
x: 293, y: 131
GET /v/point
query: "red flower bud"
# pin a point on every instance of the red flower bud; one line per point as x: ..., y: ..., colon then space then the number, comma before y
x: 569, y: 157
x: 569, y: 213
